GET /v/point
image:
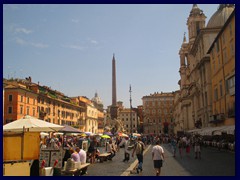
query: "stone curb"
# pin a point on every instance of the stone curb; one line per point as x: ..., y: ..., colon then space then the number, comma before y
x: 134, y: 164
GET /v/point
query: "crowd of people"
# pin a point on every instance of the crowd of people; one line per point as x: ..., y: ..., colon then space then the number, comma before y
x: 73, y: 145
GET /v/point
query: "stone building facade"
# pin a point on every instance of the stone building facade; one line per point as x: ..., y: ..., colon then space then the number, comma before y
x: 222, y: 55
x: 194, y: 100
x: 158, y: 113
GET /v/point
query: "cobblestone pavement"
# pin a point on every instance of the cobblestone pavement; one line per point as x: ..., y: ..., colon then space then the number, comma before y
x: 213, y: 163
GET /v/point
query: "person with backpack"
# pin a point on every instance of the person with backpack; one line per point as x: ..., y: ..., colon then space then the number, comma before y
x: 139, y: 148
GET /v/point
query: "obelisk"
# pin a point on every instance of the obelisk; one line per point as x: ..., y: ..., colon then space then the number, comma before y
x: 114, y: 107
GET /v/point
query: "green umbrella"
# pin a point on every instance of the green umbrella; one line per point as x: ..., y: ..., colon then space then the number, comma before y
x: 105, y: 136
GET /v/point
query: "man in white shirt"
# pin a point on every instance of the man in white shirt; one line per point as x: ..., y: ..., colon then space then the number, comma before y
x: 157, y: 157
x: 83, y: 159
x: 83, y: 156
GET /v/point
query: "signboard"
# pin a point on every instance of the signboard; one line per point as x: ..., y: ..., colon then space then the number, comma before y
x: 50, y: 156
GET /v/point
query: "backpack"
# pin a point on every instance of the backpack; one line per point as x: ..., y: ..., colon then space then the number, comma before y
x: 139, y: 148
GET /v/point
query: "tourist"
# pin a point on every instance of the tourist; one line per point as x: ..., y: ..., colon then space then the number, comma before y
x: 111, y: 149
x: 92, y: 149
x: 139, y: 148
x: 157, y: 157
x: 74, y: 155
x: 125, y: 143
x: 197, y: 147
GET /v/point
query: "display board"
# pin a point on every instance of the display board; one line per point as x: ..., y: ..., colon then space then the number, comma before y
x: 50, y: 155
x: 85, y: 145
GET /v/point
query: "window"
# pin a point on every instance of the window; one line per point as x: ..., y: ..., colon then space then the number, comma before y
x: 9, y: 110
x: 214, y: 67
x: 21, y: 109
x: 10, y: 98
x: 216, y: 94
x: 226, y: 86
x: 232, y: 49
x: 224, y: 56
x: 230, y: 30
x: 33, y: 111
x: 213, y: 53
x: 231, y: 85
x: 217, y: 46
x: 232, y: 82
x: 28, y: 100
x: 28, y: 110
x: 219, y: 61
x: 223, y: 38
x: 21, y: 99
x: 197, y: 27
x: 220, y: 87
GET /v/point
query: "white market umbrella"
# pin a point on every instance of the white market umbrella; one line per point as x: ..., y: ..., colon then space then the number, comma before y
x: 31, y: 124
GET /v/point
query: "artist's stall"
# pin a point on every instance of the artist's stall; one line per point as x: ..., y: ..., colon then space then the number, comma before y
x: 25, y: 134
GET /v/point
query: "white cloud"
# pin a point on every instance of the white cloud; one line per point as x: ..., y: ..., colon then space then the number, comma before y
x: 94, y: 42
x: 21, y: 41
x: 39, y: 45
x: 25, y: 43
x: 23, y: 30
x: 71, y: 46
x: 75, y: 20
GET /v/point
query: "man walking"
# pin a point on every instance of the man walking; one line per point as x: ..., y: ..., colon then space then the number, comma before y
x: 197, y: 147
x: 139, y: 148
x: 157, y: 157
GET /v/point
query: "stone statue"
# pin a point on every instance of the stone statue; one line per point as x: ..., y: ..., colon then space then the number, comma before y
x: 116, y: 125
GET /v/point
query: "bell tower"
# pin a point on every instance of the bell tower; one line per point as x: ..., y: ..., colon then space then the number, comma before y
x: 195, y: 22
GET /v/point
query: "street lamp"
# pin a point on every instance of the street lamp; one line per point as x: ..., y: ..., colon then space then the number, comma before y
x: 130, y: 91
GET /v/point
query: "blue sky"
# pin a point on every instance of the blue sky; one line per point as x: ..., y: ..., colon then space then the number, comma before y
x: 70, y: 47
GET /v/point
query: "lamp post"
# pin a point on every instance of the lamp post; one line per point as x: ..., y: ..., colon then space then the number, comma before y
x: 130, y: 91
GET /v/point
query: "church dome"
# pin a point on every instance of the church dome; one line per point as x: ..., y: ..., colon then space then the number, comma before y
x: 219, y: 18
x: 97, y: 99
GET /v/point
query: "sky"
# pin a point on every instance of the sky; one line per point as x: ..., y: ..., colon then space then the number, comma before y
x: 69, y: 47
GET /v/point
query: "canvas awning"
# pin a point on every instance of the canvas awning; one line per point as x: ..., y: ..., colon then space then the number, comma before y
x: 31, y: 124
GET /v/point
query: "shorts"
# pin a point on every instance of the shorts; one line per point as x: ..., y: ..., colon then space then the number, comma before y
x: 157, y: 164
